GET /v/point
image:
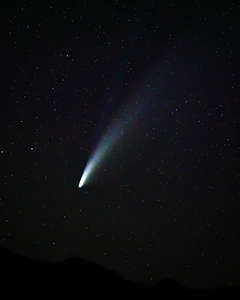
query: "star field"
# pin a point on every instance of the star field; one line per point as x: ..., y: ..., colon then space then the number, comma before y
x: 165, y: 200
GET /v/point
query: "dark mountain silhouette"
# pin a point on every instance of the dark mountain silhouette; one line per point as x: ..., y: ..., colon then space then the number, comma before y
x: 74, y: 276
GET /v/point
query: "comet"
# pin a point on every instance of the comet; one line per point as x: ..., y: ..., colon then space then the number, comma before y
x: 102, y: 149
x: 114, y: 133
x: 94, y: 161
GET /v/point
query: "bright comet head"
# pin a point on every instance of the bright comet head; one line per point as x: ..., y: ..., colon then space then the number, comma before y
x: 84, y: 177
x: 88, y: 170
x: 81, y: 183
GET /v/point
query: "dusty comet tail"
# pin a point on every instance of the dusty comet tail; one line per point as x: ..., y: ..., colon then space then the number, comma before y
x: 113, y: 134
x: 96, y: 158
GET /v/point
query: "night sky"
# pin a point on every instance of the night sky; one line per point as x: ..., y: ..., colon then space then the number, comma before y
x: 164, y: 201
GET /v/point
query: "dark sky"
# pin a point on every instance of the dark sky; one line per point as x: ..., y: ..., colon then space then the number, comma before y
x: 165, y: 201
